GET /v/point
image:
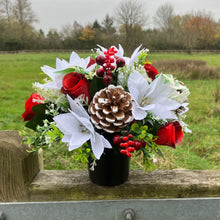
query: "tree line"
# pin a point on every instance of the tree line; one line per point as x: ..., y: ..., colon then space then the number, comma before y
x: 128, y: 25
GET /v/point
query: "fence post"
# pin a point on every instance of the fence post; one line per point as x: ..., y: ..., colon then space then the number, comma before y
x: 17, y: 167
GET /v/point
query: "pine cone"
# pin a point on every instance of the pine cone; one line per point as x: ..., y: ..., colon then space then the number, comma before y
x: 110, y: 109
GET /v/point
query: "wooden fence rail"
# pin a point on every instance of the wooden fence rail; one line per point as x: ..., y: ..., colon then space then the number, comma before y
x: 22, y: 179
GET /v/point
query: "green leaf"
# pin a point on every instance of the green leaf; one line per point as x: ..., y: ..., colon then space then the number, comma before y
x: 96, y: 85
x: 40, y: 116
x: 76, y: 69
x: 160, y: 153
x: 68, y: 70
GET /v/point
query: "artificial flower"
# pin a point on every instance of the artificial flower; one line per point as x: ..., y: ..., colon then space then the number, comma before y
x: 153, y: 97
x: 75, y: 85
x: 170, y: 134
x: 57, y: 78
x: 151, y: 71
x: 78, y: 129
x: 34, y: 99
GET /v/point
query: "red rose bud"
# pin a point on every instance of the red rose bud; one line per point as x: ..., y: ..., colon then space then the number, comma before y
x: 75, y: 85
x: 170, y: 134
x: 33, y: 100
x: 151, y: 71
x: 100, y: 60
x: 91, y: 62
x: 120, y: 62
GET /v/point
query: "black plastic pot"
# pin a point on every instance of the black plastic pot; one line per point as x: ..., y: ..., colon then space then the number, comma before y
x: 112, y: 169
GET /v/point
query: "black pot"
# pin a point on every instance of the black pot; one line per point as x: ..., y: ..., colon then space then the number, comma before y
x: 112, y: 169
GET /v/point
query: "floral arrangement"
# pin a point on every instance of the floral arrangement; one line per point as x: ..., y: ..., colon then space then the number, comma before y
x: 111, y: 101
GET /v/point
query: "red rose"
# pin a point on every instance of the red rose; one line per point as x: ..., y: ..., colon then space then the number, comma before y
x: 33, y: 100
x: 170, y: 134
x: 75, y: 84
x: 91, y: 62
x: 150, y: 70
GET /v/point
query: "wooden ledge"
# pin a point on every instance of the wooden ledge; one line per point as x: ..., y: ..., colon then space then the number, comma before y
x: 61, y: 185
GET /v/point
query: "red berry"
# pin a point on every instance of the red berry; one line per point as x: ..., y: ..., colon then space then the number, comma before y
x: 143, y: 143
x: 130, y: 136
x: 130, y: 143
x: 100, y: 72
x: 123, y: 151
x: 126, y: 145
x: 120, y: 62
x: 109, y: 72
x: 100, y: 60
x: 117, y: 139
x: 137, y: 145
x: 131, y: 149
x: 107, y: 79
x: 125, y: 139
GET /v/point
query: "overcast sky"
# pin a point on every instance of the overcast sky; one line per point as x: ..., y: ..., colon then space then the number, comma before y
x: 57, y: 13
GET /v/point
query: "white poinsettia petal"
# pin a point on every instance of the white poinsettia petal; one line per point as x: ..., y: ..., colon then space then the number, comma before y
x: 120, y: 52
x: 134, y: 56
x: 77, y: 140
x: 66, y: 138
x: 67, y: 123
x: 49, y: 71
x: 59, y: 79
x: 77, y: 108
x: 102, y: 48
x: 137, y: 112
x: 49, y: 85
x: 90, y: 68
x: 138, y: 86
x: 59, y: 64
x: 98, y: 143
x: 74, y: 58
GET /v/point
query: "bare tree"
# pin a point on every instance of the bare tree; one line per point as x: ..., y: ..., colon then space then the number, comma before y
x: 129, y: 14
x: 24, y: 15
x: 5, y: 9
x: 164, y: 16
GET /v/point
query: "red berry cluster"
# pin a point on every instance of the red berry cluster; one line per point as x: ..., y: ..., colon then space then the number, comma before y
x: 128, y: 143
x: 107, y: 65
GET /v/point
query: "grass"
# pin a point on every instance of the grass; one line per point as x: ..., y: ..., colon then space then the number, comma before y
x: 199, y: 150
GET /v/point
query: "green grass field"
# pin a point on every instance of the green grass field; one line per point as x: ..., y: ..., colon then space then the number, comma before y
x: 199, y: 150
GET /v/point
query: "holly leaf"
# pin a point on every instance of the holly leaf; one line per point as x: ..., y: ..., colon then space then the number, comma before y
x: 96, y: 85
x: 40, y: 116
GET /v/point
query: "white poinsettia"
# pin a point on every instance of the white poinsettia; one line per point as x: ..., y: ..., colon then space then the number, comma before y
x: 56, y: 78
x: 120, y: 53
x: 78, y: 129
x: 151, y: 97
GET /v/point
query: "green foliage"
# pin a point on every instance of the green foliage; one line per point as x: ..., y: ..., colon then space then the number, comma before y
x: 40, y: 116
x: 96, y: 85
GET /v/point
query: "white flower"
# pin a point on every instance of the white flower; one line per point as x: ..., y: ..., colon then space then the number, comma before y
x: 75, y: 61
x: 78, y: 129
x: 153, y: 97
x: 120, y: 53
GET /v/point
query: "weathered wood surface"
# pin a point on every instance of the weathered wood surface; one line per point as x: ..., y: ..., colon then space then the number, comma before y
x: 20, y: 180
x: 75, y: 185
x: 17, y: 167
